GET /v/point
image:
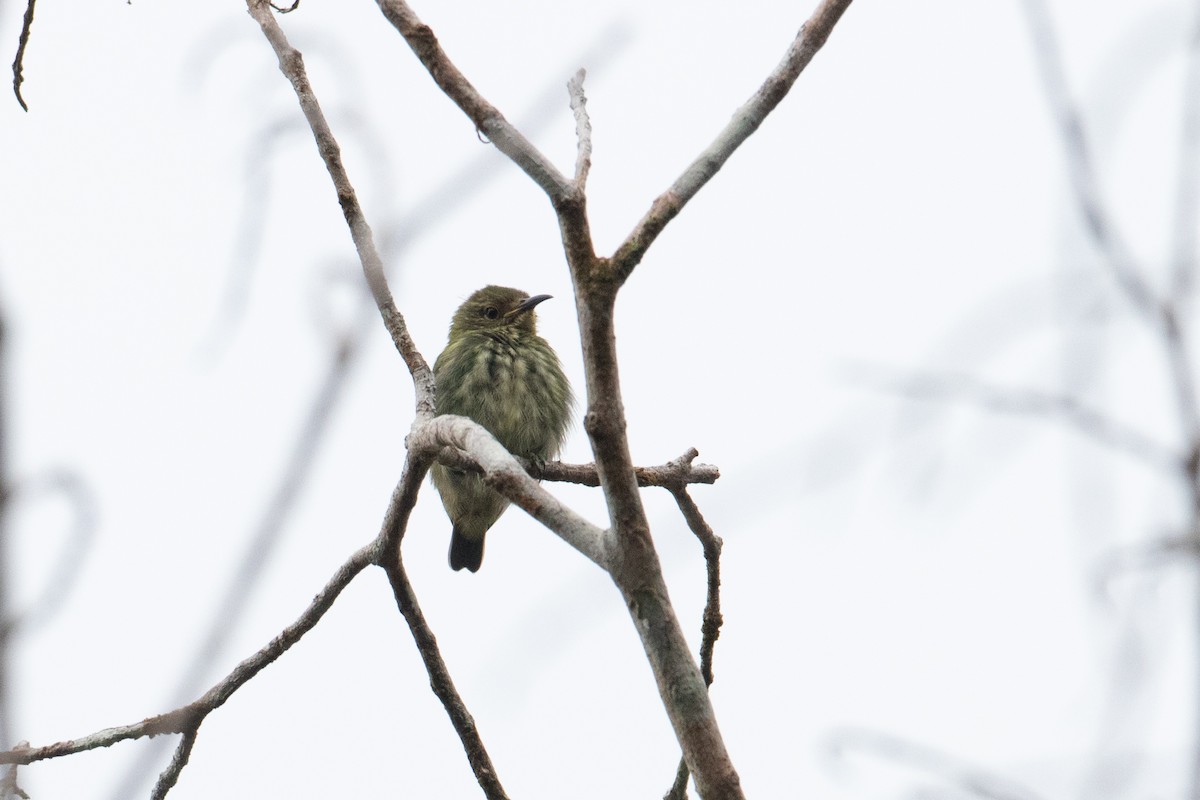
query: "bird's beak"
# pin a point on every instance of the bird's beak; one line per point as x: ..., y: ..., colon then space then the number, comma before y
x: 527, y: 306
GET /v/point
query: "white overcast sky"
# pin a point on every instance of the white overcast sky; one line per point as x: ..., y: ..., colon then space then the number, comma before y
x: 922, y: 570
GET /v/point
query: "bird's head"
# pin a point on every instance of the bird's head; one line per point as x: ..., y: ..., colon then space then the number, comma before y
x: 497, y: 309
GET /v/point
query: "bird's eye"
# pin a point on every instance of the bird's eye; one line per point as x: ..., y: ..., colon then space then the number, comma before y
x: 491, y: 312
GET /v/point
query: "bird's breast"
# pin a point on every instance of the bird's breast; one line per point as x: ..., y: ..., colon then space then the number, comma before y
x: 515, y: 389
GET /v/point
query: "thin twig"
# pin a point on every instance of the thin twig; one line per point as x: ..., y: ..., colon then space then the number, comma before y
x: 487, y: 118
x: 678, y: 790
x: 745, y: 121
x: 262, y: 543
x: 9, y: 788
x: 189, y: 716
x: 19, y: 62
x: 441, y: 682
x: 395, y: 523
x: 183, y: 752
x: 710, y: 626
x: 583, y: 129
x: 291, y: 64
x: 1084, y: 182
x: 400, y: 509
x: 679, y: 471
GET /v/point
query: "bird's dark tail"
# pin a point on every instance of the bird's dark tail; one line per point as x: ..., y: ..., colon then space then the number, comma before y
x: 465, y: 552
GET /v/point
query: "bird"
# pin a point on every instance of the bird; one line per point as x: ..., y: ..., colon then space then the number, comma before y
x: 498, y: 371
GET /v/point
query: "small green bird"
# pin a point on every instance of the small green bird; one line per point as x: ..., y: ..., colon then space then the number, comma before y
x: 499, y: 372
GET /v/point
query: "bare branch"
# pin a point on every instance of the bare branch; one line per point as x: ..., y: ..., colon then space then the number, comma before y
x: 710, y: 627
x: 1084, y: 182
x: 19, y: 62
x: 568, y: 198
x: 441, y: 682
x: 1092, y: 423
x: 487, y: 119
x: 745, y: 121
x: 291, y: 63
x: 178, y: 761
x: 262, y: 542
x: 678, y: 790
x: 189, y: 717
x: 432, y: 207
x: 403, y: 500
x: 9, y: 788
x: 677, y: 472
x: 583, y: 129
x: 634, y: 562
x: 504, y: 474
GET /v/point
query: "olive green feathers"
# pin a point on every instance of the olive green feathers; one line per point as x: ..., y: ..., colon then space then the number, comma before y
x: 499, y: 372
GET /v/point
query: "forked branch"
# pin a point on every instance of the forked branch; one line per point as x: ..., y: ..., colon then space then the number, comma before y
x: 631, y: 557
x: 291, y: 64
x: 746, y: 120
x: 189, y: 717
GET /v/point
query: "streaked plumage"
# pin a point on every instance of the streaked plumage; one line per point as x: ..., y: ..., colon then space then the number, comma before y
x: 499, y: 372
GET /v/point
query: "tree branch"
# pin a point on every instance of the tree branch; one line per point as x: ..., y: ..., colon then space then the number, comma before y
x: 745, y: 121
x: 19, y: 62
x: 291, y: 64
x: 710, y: 627
x: 679, y: 471
x: 9, y: 788
x: 487, y: 119
x: 183, y: 751
x: 400, y: 508
x: 633, y: 562
x: 504, y: 474
x: 583, y: 129
x: 441, y: 682
x: 189, y: 717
